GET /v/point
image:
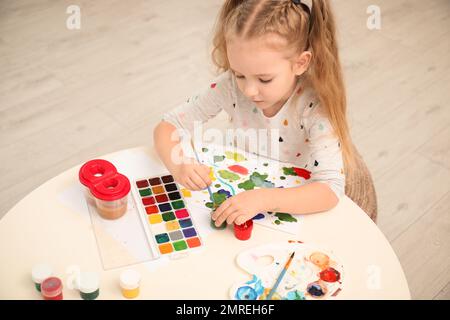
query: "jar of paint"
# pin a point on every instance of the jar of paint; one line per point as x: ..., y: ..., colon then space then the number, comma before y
x: 51, y: 289
x: 243, y: 231
x: 213, y: 223
x: 221, y: 227
x: 91, y: 173
x: 129, y: 283
x: 89, y: 285
x: 111, y: 196
x: 39, y: 273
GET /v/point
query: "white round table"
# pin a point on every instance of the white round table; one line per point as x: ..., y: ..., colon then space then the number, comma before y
x: 40, y: 228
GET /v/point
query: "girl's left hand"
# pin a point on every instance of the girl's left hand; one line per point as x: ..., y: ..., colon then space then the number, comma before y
x: 239, y: 208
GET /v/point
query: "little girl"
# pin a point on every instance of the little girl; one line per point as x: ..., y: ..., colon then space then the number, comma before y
x: 280, y: 69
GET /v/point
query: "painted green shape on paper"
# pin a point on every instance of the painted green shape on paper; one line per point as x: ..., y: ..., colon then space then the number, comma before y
x: 282, y: 217
x: 217, y: 185
x: 285, y: 217
x: 265, y: 164
x: 227, y: 175
x: 258, y: 179
x: 283, y: 178
x: 234, y: 156
x: 289, y: 171
x: 218, y: 198
x: 204, y: 149
x: 246, y: 185
x: 267, y: 184
x: 218, y: 158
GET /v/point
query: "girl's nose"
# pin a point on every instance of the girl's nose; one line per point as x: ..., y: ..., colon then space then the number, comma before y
x: 250, y: 90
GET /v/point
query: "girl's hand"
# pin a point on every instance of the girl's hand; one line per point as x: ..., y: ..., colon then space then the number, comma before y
x: 239, y: 208
x: 192, y: 175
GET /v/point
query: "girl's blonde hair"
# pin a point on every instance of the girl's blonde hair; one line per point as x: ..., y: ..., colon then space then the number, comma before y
x: 302, y: 29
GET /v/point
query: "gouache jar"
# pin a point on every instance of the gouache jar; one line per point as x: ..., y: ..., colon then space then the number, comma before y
x: 213, y: 223
x: 91, y: 173
x: 129, y: 283
x: 89, y: 285
x: 39, y: 273
x: 111, y: 196
x: 221, y: 227
x: 51, y: 289
x: 243, y: 231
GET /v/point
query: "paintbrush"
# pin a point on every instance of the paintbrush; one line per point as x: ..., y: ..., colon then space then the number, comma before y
x: 209, y: 189
x: 283, y: 272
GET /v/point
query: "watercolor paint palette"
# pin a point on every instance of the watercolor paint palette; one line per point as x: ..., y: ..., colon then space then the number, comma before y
x: 166, y: 218
x: 314, y: 274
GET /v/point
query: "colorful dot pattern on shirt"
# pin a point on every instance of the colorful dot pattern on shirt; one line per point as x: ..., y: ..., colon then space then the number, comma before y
x: 244, y: 114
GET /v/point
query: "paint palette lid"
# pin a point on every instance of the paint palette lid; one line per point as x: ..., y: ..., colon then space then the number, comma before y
x: 129, y: 279
x: 95, y: 170
x: 40, y: 272
x: 112, y: 188
x: 88, y: 282
x: 51, y: 287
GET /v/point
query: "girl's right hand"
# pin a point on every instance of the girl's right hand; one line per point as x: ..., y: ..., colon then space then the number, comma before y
x: 192, y: 175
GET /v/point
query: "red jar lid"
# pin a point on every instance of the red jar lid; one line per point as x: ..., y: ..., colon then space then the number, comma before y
x: 95, y: 170
x: 111, y: 188
x: 51, y: 287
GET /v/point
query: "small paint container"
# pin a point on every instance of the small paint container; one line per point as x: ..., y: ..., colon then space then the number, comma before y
x: 221, y: 227
x: 89, y: 285
x: 111, y: 196
x: 39, y: 273
x: 243, y: 231
x: 91, y: 173
x: 51, y: 289
x: 213, y: 223
x: 129, y: 283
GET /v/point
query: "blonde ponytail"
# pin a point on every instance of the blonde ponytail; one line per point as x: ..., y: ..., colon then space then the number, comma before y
x: 326, y: 74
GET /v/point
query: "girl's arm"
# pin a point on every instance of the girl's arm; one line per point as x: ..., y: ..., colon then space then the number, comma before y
x: 196, y: 110
x: 165, y: 140
x: 186, y: 171
x: 310, y: 198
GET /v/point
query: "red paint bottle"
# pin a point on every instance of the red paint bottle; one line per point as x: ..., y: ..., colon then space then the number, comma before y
x: 51, y: 289
x: 243, y: 231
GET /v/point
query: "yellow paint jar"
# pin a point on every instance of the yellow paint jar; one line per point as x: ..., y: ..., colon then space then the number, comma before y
x: 129, y: 283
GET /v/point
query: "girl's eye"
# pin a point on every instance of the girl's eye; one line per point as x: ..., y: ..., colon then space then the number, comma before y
x: 261, y: 80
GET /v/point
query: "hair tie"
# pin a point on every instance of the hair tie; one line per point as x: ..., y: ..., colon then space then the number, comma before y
x: 308, y: 11
x: 303, y: 5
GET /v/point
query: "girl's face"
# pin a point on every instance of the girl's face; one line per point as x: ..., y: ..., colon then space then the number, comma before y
x: 265, y: 75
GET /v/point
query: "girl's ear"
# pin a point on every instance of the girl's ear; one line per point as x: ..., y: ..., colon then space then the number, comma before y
x: 301, y: 63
